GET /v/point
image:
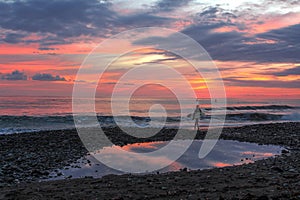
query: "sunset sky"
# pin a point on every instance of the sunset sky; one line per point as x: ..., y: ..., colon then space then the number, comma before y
x: 255, y: 44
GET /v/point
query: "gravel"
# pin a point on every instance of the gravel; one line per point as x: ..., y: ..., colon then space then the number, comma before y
x: 29, y: 157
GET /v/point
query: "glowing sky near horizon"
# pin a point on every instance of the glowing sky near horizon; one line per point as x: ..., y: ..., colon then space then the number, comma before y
x: 255, y: 44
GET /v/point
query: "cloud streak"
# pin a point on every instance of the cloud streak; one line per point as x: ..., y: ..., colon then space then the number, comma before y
x: 14, y: 76
x: 263, y: 84
x: 47, y: 77
x: 291, y: 71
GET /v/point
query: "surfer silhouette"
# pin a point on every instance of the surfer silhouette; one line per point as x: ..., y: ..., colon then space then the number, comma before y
x: 196, y: 116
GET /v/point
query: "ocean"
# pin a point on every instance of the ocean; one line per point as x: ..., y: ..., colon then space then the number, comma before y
x: 20, y: 114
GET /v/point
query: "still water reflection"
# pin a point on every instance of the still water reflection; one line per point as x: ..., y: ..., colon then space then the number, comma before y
x: 225, y: 153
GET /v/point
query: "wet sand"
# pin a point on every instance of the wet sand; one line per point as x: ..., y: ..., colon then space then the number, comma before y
x: 28, y: 157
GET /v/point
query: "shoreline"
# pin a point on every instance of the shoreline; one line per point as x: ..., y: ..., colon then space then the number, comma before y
x: 256, y: 177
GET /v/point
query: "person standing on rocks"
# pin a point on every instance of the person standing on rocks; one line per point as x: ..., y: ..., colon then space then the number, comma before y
x: 198, y: 113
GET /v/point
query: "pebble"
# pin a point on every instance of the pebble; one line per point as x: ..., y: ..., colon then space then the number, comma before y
x: 33, y: 150
x: 292, y: 170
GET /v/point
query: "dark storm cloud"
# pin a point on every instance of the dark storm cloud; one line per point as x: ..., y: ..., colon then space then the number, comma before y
x: 212, y: 41
x: 52, y: 40
x: 288, y: 72
x: 169, y: 5
x: 205, y: 35
x: 215, y: 14
x: 142, y: 19
x: 209, y: 12
x: 234, y: 45
x: 281, y: 45
x: 57, y: 21
x: 47, y: 77
x: 289, y: 35
x: 14, y: 76
x: 13, y: 38
x: 256, y: 83
x: 47, y: 49
x: 62, y: 17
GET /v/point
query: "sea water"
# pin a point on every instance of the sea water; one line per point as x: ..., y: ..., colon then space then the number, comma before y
x: 26, y: 114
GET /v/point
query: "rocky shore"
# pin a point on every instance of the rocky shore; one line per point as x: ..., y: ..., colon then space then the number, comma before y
x: 29, y: 157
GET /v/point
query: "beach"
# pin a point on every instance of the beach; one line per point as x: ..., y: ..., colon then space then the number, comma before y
x: 27, y: 158
x: 160, y: 99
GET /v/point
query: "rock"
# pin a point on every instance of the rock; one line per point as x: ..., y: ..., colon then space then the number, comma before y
x: 275, y: 168
x: 285, y: 185
x: 184, y: 169
x: 263, y: 197
x: 292, y: 170
x: 32, y: 150
x: 284, y: 151
x: 59, y: 174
